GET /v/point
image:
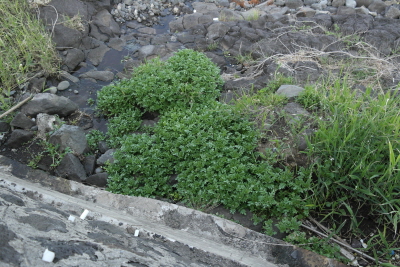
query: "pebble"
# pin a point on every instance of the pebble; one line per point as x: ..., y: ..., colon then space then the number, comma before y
x: 63, y: 85
x: 98, y: 170
x: 76, y: 92
x: 52, y: 90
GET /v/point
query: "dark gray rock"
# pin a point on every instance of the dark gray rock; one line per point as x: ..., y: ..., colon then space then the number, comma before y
x: 293, y: 4
x: 22, y: 121
x: 117, y: 43
x: 381, y: 39
x: 392, y: 13
x: 365, y: 3
x: 103, y: 147
x: 4, y: 127
x: 289, y: 90
x: 71, y: 168
x: 230, y: 15
x: 7, y: 253
x: 295, y: 109
x: 12, y: 199
x: 18, y: 138
x: 73, y: 58
x: 96, y: 34
x: 176, y: 25
x: 338, y: 3
x: 377, y: 6
x: 345, y: 10
x: 350, y: 24
x: 37, y: 84
x: 66, y: 37
x: 146, y: 51
x: 191, y: 20
x: 44, y: 223
x: 50, y: 104
x: 310, y: 2
x: 89, y: 163
x: 106, y: 23
x: 185, y: 38
x: 70, y: 136
x: 218, y: 60
x: 307, y: 71
x: 104, y: 75
x: 96, y: 55
x: 98, y: 179
x: 305, y: 12
x: 106, y: 157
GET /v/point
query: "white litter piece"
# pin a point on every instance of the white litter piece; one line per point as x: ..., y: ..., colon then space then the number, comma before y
x: 71, y: 218
x: 136, y: 233
x: 194, y: 11
x: 84, y: 214
x: 215, y: 19
x: 354, y: 263
x: 363, y: 244
x: 48, y: 256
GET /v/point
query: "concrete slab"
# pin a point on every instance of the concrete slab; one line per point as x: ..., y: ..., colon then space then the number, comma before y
x: 169, y: 235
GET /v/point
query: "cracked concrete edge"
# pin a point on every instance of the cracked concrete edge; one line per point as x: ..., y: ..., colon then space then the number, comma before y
x: 176, y: 223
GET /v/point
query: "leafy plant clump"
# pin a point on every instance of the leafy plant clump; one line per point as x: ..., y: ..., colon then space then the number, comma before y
x: 205, y: 156
x: 186, y: 79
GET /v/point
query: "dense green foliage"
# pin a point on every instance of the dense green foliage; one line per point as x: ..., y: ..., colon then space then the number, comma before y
x: 186, y: 79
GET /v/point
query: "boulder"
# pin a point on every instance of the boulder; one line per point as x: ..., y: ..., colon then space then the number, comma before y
x: 106, y: 23
x: 106, y: 157
x: 89, y: 163
x: 293, y: 4
x: 392, y: 13
x: 70, y: 136
x: 216, y: 31
x: 96, y: 55
x: 18, y: 138
x: 50, y: 104
x: 22, y: 121
x: 104, y: 75
x: 71, y: 168
x: 98, y: 179
x: 73, y: 58
x: 4, y: 127
x: 377, y: 6
x: 289, y: 90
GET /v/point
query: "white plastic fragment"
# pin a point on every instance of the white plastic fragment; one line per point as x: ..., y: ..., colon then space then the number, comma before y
x: 363, y: 244
x: 354, y: 263
x: 215, y: 19
x: 136, y: 233
x: 71, y: 218
x: 194, y: 11
x: 84, y: 214
x: 48, y: 256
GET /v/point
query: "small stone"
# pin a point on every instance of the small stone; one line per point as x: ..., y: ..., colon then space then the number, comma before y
x: 392, y: 13
x: 76, y: 92
x: 63, y: 85
x: 98, y: 170
x: 351, y: 3
x: 52, y: 90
